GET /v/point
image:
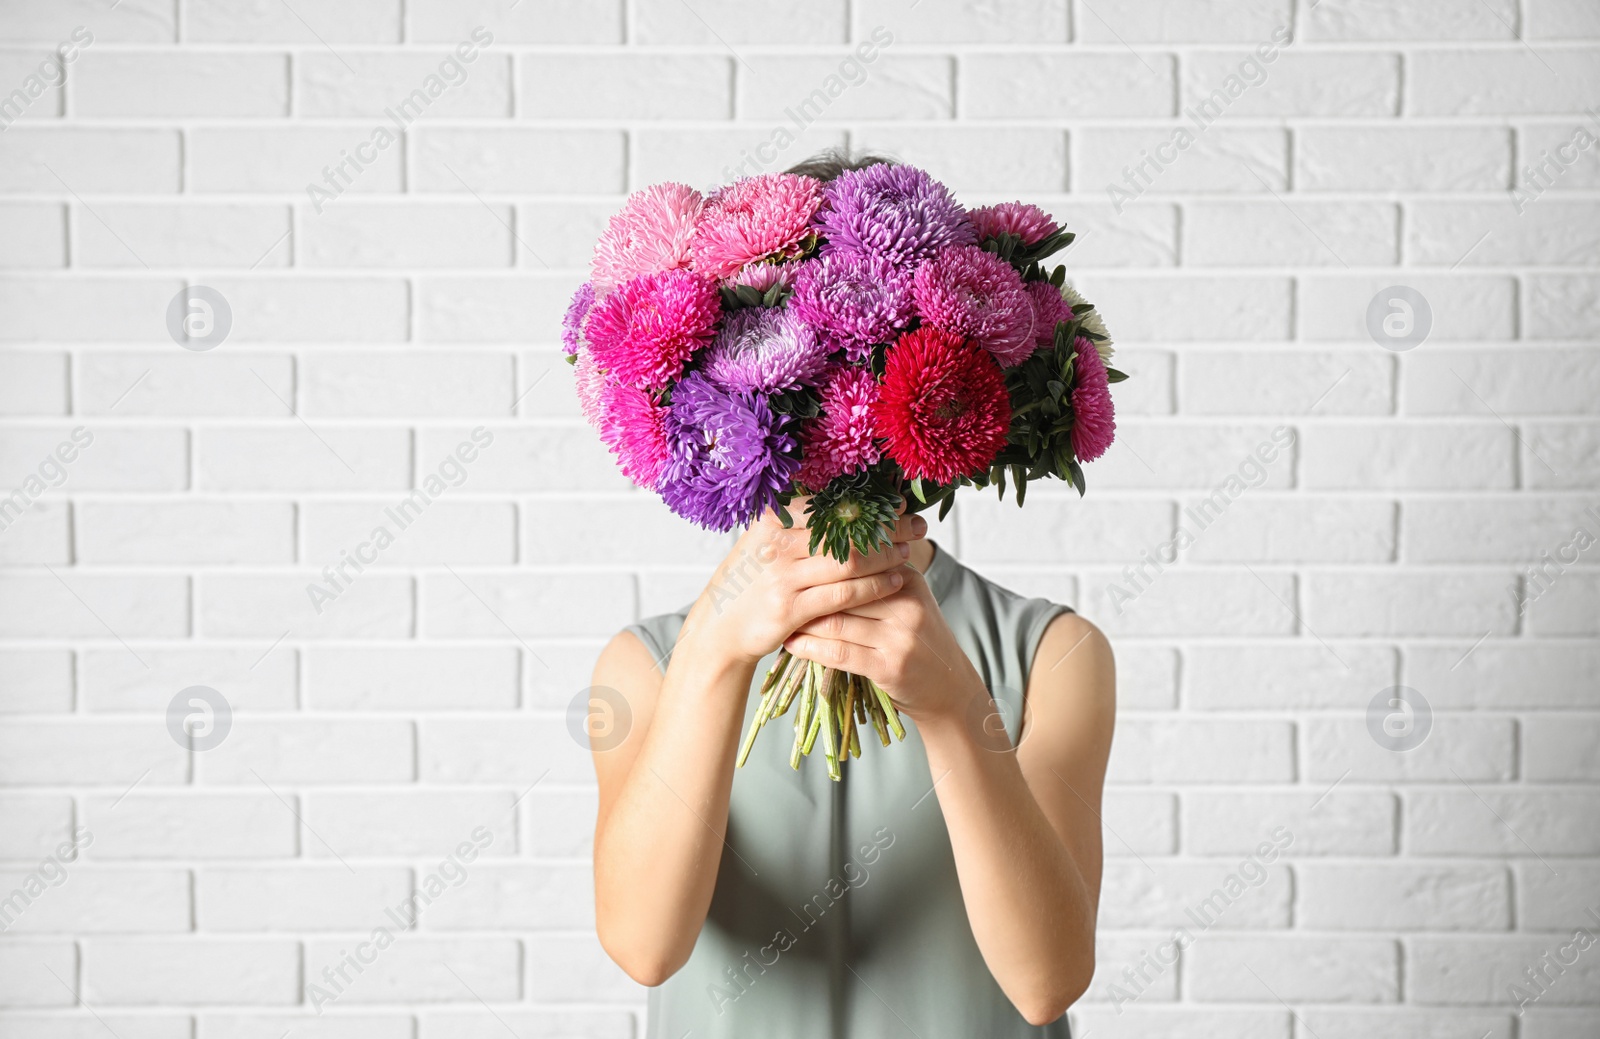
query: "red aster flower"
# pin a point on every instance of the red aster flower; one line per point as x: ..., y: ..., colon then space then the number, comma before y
x: 943, y: 408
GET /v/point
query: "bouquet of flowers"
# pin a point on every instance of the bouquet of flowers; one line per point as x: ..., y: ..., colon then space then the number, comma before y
x: 864, y: 342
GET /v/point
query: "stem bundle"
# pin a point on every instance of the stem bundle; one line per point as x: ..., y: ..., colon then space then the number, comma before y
x: 831, y: 704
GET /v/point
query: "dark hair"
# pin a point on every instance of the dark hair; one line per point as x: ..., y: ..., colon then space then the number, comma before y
x: 826, y: 165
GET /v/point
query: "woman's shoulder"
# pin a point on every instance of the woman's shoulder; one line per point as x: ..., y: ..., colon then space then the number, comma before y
x: 659, y: 633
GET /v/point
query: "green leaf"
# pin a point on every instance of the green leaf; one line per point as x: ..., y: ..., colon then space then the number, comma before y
x: 946, y: 505
x: 1077, y: 476
x: 749, y: 295
x: 916, y: 488
x: 784, y: 517
x: 1112, y: 375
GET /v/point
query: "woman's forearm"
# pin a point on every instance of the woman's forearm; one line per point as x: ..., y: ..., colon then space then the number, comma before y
x: 1027, y: 900
x: 657, y: 850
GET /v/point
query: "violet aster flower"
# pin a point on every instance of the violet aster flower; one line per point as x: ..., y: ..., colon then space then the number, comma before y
x: 572, y: 321
x: 762, y: 349
x: 896, y: 212
x: 854, y: 300
x: 977, y: 295
x: 729, y: 454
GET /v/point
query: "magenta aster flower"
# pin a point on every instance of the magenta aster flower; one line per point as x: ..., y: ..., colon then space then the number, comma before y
x: 1028, y: 222
x: 854, y: 300
x: 729, y: 454
x: 977, y: 295
x: 753, y: 218
x: 572, y: 321
x: 1050, y: 308
x: 896, y: 212
x: 633, y: 426
x: 644, y: 331
x: 764, y: 349
x: 1094, y: 419
x: 650, y: 234
x: 840, y: 440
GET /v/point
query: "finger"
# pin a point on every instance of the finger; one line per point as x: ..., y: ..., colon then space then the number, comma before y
x: 910, y: 528
x: 824, y: 569
x: 835, y: 653
x: 848, y: 627
x: 839, y: 596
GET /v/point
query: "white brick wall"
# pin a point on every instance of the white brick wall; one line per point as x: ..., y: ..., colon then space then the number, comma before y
x: 421, y: 714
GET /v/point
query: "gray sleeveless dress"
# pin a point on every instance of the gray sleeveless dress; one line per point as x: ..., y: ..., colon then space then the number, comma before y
x: 837, y: 911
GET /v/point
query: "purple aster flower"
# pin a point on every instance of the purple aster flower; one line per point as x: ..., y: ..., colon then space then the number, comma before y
x: 766, y: 350
x: 577, y: 310
x: 897, y: 212
x: 854, y: 299
x: 729, y: 454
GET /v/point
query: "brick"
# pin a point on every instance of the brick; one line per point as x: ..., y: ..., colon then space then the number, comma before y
x: 547, y: 458
x: 190, y: 235
x: 1149, y: 389
x: 1569, y: 607
x: 1185, y: 1022
x: 1116, y: 955
x: 561, y: 669
x: 191, y: 826
x: 1410, y: 20
x: 1191, y: 603
x: 1477, y: 749
x: 91, y: 900
x: 220, y: 532
x: 706, y: 158
x: 38, y: 974
x: 1142, y: 237
x: 284, y: 159
x: 318, y: 309
x: 419, y: 84
x: 1278, y: 233
x: 962, y: 155
x: 446, y: 532
x: 1500, y: 673
x: 64, y: 753
x: 34, y: 77
x: 1555, y: 19
x: 126, y: 458
x: 366, y: 21
x: 1554, y: 901
x: 559, y: 236
x: 1561, y: 749
x: 144, y: 161
x: 1563, y: 306
x: 207, y: 971
x: 422, y: 970
x: 33, y: 383
x: 558, y: 21
x: 1481, y: 970
x: 317, y: 753
x: 1194, y: 454
x: 518, y: 308
x: 270, y: 1025
x: 95, y: 606
x: 763, y: 21
x: 172, y: 84
x: 1198, y: 307
x: 1416, y: 456
x: 1408, y: 158
x: 1433, y: 603
x: 1339, y: 897
x: 797, y: 91
x: 1565, y: 455
x: 1149, y: 678
x: 625, y: 86
x: 409, y: 383
x: 297, y: 898
x: 1463, y: 307
x: 1515, y: 529
x: 54, y: 309
x: 560, y: 963
x: 1022, y: 85
x: 1544, y: 382
x: 35, y: 681
x: 38, y: 535
x: 1323, y: 83
x: 604, y: 530
x: 1513, y: 81
x: 36, y: 824
x: 478, y: 605
x: 1178, y: 894
x: 1057, y: 529
x: 372, y: 235
x: 1162, y: 21
x: 249, y: 606
x: 412, y: 678
x: 1256, y: 676
x: 1541, y: 143
x: 427, y: 824
x: 520, y: 897
x: 1485, y: 821
x: 1278, y: 530
x: 141, y: 21
x: 39, y: 237
x: 182, y: 383
x: 1190, y: 751
x: 600, y: 1024
x: 1322, y: 820
x: 1547, y: 231
x: 495, y: 159
x: 511, y: 752
x: 560, y: 823
x: 1556, y: 1023
x: 112, y: 680
x: 1224, y: 968
x: 1401, y: 1022
x: 295, y: 459
x: 56, y: 1026
x: 1223, y: 159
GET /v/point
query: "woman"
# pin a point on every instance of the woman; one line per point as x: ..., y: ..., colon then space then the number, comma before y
x: 947, y: 887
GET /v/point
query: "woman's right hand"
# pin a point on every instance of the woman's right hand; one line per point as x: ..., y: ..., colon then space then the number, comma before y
x: 770, y: 584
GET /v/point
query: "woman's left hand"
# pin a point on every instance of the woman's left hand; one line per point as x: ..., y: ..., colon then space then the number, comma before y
x: 901, y: 642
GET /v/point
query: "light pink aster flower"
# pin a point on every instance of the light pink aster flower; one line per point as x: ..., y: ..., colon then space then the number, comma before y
x: 753, y: 218
x: 977, y: 295
x: 840, y: 440
x: 648, y: 235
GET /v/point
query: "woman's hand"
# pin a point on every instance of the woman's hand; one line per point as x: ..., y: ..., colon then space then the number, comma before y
x: 770, y: 584
x: 903, y: 643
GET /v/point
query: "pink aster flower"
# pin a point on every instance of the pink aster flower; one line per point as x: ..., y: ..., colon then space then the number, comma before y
x: 633, y: 426
x: 1050, y: 308
x: 644, y: 331
x: 979, y: 296
x: 588, y: 380
x: 854, y: 300
x: 760, y: 276
x: 1028, y: 222
x: 753, y: 218
x: 764, y: 349
x: 650, y: 234
x: 840, y: 440
x: 1094, y: 423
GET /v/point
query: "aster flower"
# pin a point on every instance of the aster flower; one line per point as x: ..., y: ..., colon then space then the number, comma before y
x: 588, y: 380
x: 760, y: 276
x: 1091, y: 322
x: 1027, y: 222
x: 644, y: 331
x: 1094, y: 419
x: 572, y: 320
x: 943, y: 407
x: 841, y: 439
x: 633, y: 426
x: 896, y: 212
x: 754, y: 218
x: 764, y: 349
x: 650, y: 234
x: 975, y: 294
x: 729, y: 454
x: 854, y: 299
x: 1050, y: 308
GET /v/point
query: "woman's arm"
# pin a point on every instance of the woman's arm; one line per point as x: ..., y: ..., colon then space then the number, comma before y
x: 1024, y: 822
x: 664, y: 789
